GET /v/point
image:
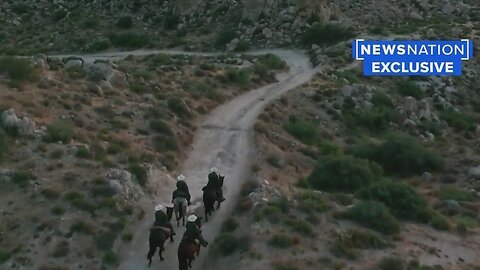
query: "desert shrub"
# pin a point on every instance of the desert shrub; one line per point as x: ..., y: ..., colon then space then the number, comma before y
x: 83, y: 152
x: 58, y: 210
x: 3, y: 144
x: 110, y: 258
x: 310, y: 202
x: 114, y: 148
x: 224, y: 37
x: 329, y: 149
x: 171, y: 21
x: 59, y: 15
x: 400, y: 154
x: 127, y: 237
x: 60, y: 130
x: 238, y: 76
x: 376, y: 119
x: 20, y: 8
x: 403, y: 201
x: 103, y: 191
x: 90, y: 23
x: 105, y: 240
x: 272, y: 61
x: 407, y: 87
x: 346, y: 243
x: 381, y: 99
x: 56, y: 154
x: 99, y: 44
x: 280, y: 240
x: 284, y: 266
x: 271, y: 213
x: 229, y: 225
x: 17, y: 69
x: 164, y: 143
x: 129, y: 39
x: 161, y: 59
x: 439, y: 222
x: 21, y: 178
x: 226, y: 244
x: 451, y: 192
x: 125, y: 22
x: 5, y: 256
x: 140, y: 173
x: 178, y: 106
x: 61, y: 250
x: 458, y: 120
x: 392, y: 263
x: 300, y: 226
x: 305, y: 131
x: 326, y: 34
x: 466, y: 221
x: 374, y: 215
x: 73, y: 195
x: 160, y: 127
x: 343, y: 173
x: 242, y: 46
x: 51, y: 193
x: 75, y: 72
x: 430, y: 126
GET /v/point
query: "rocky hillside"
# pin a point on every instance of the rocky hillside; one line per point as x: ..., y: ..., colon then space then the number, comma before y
x: 79, y: 142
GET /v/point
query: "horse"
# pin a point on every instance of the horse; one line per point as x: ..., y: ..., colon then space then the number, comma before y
x: 180, y: 206
x: 209, y: 198
x: 157, y: 238
x: 187, y: 251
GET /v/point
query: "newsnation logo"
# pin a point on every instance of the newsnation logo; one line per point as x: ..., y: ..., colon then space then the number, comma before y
x: 412, y: 57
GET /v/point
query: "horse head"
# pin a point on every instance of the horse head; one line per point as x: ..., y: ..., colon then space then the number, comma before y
x: 221, y: 180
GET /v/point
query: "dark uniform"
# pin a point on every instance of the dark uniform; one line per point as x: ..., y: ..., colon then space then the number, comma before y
x: 215, y: 184
x: 182, y: 192
x: 161, y: 220
x: 193, y: 233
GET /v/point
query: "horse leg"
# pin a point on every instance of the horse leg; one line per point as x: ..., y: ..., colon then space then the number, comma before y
x: 150, y: 254
x: 206, y: 213
x: 198, y: 250
x: 160, y: 253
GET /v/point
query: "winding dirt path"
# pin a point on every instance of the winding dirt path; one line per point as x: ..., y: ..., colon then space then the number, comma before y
x: 223, y: 140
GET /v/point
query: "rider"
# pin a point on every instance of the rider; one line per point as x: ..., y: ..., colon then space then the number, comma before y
x: 182, y: 190
x: 192, y: 232
x: 161, y: 219
x: 214, y: 184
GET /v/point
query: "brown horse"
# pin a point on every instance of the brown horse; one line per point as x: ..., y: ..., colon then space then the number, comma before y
x: 187, y: 251
x: 157, y: 239
x: 210, y: 196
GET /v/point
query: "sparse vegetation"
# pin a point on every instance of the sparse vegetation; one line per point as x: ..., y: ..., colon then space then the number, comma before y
x: 3, y: 144
x: 306, y: 132
x: 458, y: 120
x: 140, y: 173
x: 374, y: 215
x: 224, y: 37
x: 392, y: 263
x: 326, y: 34
x: 407, y: 87
x: 343, y: 173
x: 17, y: 69
x: 451, y: 192
x: 125, y: 22
x: 59, y: 130
x: 227, y: 244
x: 280, y: 240
x: 21, y: 178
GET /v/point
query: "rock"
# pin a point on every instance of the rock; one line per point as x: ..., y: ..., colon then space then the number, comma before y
x: 347, y: 90
x: 124, y: 182
x: 232, y: 45
x: 430, y: 34
x: 94, y: 89
x: 409, y: 123
x: 117, y: 79
x: 415, y: 16
x: 474, y: 171
x: 410, y: 104
x: 267, y: 33
x: 424, y: 110
x: 450, y: 89
x: 73, y: 64
x: 452, y: 206
x: 104, y: 85
x: 426, y: 176
x: 448, y: 9
x: 22, y: 126
x: 5, y: 174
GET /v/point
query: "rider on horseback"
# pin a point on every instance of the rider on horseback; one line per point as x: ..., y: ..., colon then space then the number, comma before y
x: 215, y: 184
x: 162, y: 222
x: 182, y: 190
x: 193, y: 233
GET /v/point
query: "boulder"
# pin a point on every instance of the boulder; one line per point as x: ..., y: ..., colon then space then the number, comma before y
x: 474, y: 171
x: 124, y: 182
x: 117, y: 79
x: 410, y: 104
x: 22, y: 126
x: 415, y: 16
x: 267, y: 33
x: 430, y: 34
x: 424, y: 110
x: 448, y: 9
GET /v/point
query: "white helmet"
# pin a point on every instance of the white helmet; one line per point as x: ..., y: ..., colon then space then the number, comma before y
x: 213, y: 169
x: 181, y: 177
x: 159, y: 207
x: 192, y: 218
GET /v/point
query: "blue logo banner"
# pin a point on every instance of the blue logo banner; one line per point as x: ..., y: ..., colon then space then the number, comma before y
x: 412, y: 57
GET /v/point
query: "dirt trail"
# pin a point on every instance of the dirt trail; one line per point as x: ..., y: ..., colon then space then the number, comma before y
x: 224, y: 140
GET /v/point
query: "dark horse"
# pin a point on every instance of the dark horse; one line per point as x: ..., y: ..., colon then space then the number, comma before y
x: 187, y: 251
x: 209, y: 198
x: 157, y: 238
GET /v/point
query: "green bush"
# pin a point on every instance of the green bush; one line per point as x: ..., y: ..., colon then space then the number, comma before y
x: 284, y: 266
x: 451, y: 192
x: 392, y: 263
x: 404, y: 201
x: 430, y: 126
x: 407, y: 87
x: 5, y: 256
x: 440, y: 222
x: 229, y: 225
x: 310, y: 202
x: 280, y: 240
x: 110, y: 258
x: 458, y: 120
x: 171, y: 21
x: 83, y: 152
x: 376, y: 119
x: 343, y: 173
x: 242, y: 46
x: 141, y: 174
x: 59, y: 15
x: 272, y: 61
x: 17, y: 69
x: 226, y: 244
x: 374, y: 215
x: 129, y: 40
x: 90, y: 23
x: 3, y: 144
x: 326, y: 34
x: 305, y: 131
x: 300, y: 226
x: 163, y: 143
x: 99, y: 44
x: 400, y: 154
x: 21, y: 178
x: 381, y: 99
x: 178, y: 106
x: 347, y: 242
x: 125, y: 22
x: 60, y: 130
x: 238, y: 76
x: 161, y: 127
x: 224, y: 37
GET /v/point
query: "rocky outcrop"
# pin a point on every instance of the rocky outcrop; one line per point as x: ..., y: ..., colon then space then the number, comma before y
x: 19, y: 125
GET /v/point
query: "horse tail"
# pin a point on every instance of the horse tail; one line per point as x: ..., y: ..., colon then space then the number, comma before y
x: 182, y: 257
